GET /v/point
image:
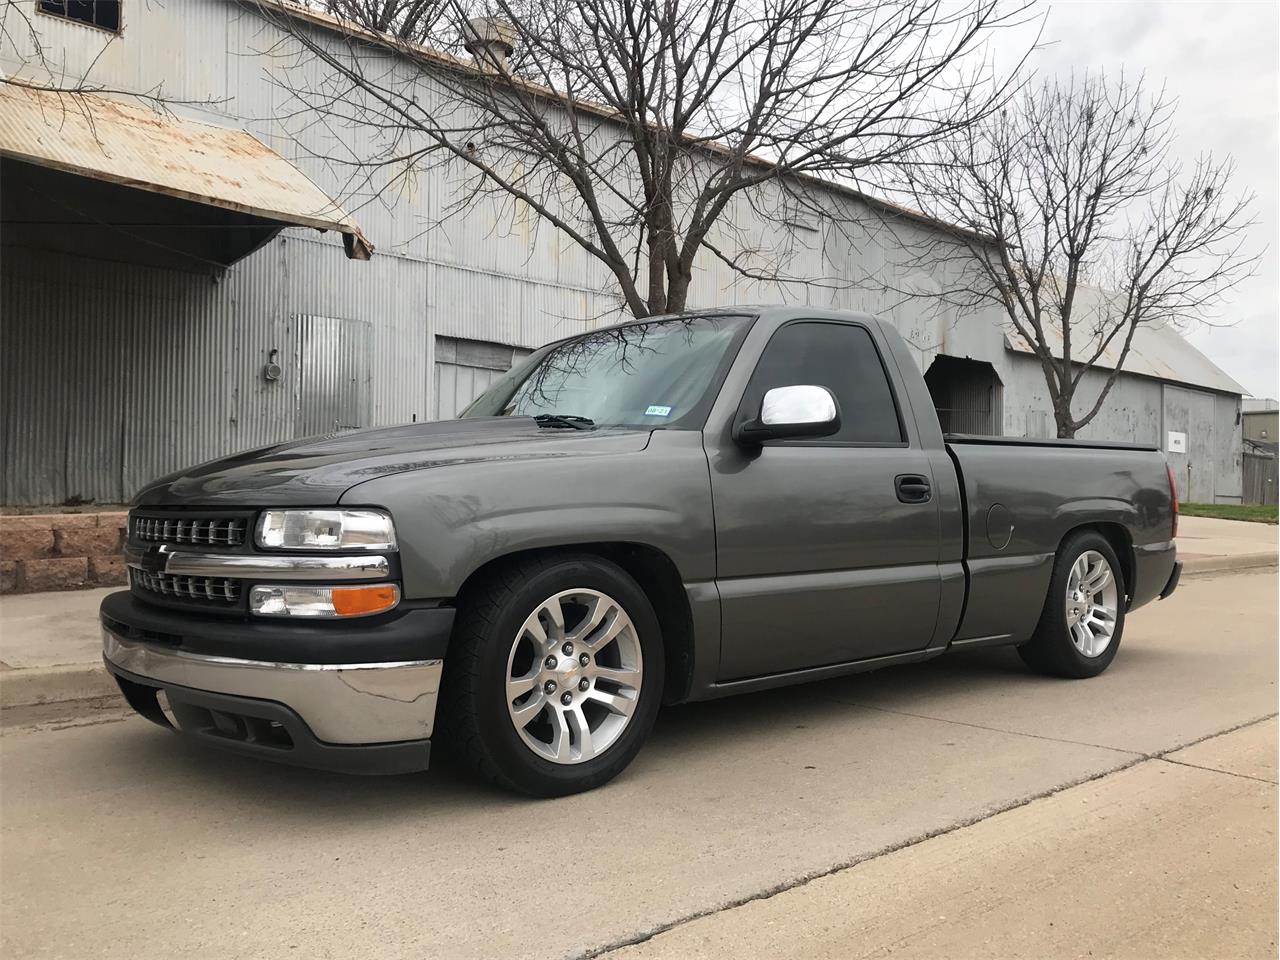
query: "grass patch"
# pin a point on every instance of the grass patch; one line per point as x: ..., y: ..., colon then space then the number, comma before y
x: 1255, y: 512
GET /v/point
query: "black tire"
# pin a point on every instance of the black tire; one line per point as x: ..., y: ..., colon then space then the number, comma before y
x: 474, y: 721
x: 1050, y: 649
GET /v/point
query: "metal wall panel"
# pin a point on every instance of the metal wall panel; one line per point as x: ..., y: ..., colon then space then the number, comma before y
x: 457, y: 386
x: 115, y: 374
x: 333, y: 375
x: 464, y: 370
x: 1131, y: 412
x: 180, y: 48
x: 103, y: 364
x: 1192, y: 412
x: 474, y: 305
x: 1228, y: 460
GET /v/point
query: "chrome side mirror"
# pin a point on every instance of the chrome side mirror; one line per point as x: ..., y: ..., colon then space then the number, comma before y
x: 798, y: 411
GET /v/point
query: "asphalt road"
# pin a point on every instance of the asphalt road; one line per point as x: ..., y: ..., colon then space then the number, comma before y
x: 118, y: 838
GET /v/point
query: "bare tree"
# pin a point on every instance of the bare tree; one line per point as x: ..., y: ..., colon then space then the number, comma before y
x: 1076, y: 222
x: 649, y: 132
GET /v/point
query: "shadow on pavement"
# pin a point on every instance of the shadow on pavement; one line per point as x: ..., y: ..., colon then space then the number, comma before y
x: 688, y: 734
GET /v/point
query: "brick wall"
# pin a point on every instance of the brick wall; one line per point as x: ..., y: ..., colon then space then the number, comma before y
x: 61, y: 551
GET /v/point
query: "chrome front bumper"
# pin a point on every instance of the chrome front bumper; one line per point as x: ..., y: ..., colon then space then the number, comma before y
x: 343, y: 704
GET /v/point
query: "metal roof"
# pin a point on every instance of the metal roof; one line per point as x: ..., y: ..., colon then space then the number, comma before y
x: 1158, y: 350
x: 103, y: 139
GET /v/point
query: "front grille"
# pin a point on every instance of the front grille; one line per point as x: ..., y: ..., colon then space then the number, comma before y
x: 204, y: 531
x: 216, y: 589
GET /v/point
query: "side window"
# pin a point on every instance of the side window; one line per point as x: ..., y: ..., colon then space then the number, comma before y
x: 843, y: 358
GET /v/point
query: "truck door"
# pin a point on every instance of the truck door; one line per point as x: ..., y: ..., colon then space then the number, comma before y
x: 827, y: 549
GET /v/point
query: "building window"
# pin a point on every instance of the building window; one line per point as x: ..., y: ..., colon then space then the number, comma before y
x: 96, y: 13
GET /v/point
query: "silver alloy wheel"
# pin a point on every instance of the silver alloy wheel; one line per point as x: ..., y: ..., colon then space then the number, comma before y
x: 1093, y: 601
x: 574, y: 675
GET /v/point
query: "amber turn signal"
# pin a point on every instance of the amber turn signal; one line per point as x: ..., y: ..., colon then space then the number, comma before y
x: 363, y: 601
x: 303, y: 600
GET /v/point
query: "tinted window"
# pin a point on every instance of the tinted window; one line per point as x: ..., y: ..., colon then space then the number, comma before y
x: 841, y: 358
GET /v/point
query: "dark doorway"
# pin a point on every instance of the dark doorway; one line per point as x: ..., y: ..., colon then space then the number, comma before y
x: 966, y: 394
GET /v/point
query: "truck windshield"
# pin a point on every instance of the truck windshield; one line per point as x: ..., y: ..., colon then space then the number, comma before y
x: 652, y: 374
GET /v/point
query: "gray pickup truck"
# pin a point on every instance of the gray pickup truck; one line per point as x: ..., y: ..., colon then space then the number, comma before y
x: 661, y: 511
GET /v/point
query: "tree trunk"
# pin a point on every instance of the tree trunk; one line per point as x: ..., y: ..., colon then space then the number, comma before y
x: 678, y: 291
x: 1063, y: 421
x: 1062, y: 410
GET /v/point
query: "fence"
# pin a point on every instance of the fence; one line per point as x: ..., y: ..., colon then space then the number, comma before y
x: 1259, y: 475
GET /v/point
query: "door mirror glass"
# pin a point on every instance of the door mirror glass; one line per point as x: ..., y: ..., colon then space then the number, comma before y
x: 803, y: 410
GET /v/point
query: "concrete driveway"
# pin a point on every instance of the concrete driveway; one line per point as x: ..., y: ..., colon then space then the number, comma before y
x: 117, y: 837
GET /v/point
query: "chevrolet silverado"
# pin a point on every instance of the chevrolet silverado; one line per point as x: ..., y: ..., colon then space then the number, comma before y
x: 665, y: 510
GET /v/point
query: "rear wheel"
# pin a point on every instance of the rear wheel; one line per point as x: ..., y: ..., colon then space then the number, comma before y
x: 554, y: 675
x: 1083, y: 618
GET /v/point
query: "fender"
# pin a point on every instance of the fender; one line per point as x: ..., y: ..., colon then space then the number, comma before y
x: 452, y: 520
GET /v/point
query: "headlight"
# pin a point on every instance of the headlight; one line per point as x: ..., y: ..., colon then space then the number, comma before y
x: 300, y: 600
x: 326, y: 530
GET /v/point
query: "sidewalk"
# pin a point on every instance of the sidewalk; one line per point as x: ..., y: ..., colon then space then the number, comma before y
x: 51, y: 647
x: 1206, y: 543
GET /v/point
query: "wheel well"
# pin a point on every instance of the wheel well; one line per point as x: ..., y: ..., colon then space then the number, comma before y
x: 658, y: 577
x: 1118, y: 536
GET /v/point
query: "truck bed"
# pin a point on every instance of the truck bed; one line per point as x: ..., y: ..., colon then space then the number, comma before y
x: 1021, y: 496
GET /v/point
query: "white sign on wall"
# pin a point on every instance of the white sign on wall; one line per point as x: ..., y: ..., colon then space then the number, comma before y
x: 1177, y: 442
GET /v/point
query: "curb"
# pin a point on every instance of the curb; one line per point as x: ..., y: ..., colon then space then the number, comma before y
x: 37, y: 685
x: 1200, y: 566
x: 88, y: 681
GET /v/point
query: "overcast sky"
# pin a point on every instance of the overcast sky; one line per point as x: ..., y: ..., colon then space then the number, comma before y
x: 1219, y: 60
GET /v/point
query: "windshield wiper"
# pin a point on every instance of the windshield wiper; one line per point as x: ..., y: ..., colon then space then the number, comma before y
x: 564, y: 420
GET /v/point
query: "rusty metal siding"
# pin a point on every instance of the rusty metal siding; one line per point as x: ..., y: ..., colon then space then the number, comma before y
x: 129, y: 145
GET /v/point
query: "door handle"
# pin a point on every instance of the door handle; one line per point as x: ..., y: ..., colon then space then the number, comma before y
x: 912, y: 488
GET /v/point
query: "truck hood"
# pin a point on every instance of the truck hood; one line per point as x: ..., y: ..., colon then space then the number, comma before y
x: 317, y: 471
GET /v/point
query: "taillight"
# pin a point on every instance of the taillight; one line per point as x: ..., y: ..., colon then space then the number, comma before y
x: 1173, y: 499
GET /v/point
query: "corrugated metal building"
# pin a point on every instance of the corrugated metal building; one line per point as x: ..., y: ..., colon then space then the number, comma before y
x: 153, y: 319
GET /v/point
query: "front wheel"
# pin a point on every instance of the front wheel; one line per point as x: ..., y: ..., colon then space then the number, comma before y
x: 1083, y: 618
x: 554, y: 675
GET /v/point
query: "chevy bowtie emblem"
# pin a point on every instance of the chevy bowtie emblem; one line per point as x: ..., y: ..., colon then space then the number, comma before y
x: 154, y: 560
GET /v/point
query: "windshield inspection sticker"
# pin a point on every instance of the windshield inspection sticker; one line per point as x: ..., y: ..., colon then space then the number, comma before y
x: 658, y: 410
